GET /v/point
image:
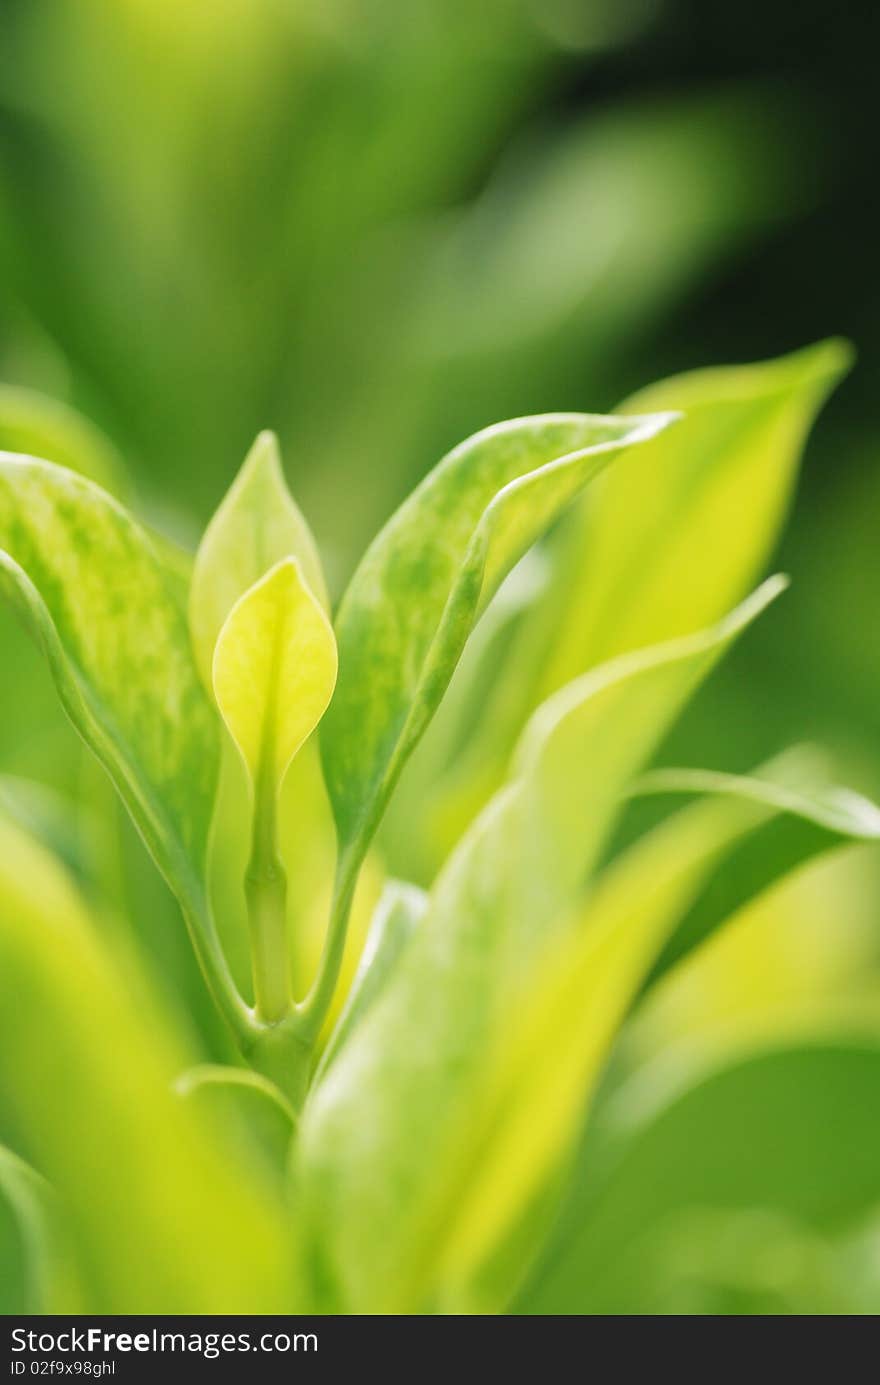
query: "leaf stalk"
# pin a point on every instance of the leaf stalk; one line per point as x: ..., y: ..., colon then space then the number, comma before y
x: 266, y: 896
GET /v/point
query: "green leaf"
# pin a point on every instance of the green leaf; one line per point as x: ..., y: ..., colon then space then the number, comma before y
x: 38, y: 1275
x: 415, y: 836
x: 87, y: 1059
x: 87, y: 581
x: 274, y: 670
x: 256, y: 526
x: 706, y: 497
x: 427, y: 577
x: 39, y: 426
x: 382, y: 1135
x: 796, y: 1129
x: 398, y: 914
x: 91, y: 589
x: 246, y: 1106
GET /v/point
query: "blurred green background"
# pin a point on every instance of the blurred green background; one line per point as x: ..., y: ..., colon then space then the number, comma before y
x: 377, y: 227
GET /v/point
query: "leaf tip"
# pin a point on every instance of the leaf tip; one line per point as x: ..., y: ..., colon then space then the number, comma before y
x: 264, y: 456
x: 818, y: 369
x: 647, y: 426
x: 829, y: 359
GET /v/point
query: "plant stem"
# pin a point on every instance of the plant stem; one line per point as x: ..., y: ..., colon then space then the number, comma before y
x: 316, y: 1004
x: 266, y: 894
x: 281, y: 1053
x: 215, y: 970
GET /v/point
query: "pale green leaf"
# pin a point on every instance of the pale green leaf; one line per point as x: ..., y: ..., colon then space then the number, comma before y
x: 398, y: 914
x: 274, y: 670
x: 426, y: 578
x: 164, y: 1214
x: 381, y: 1133
x: 257, y: 525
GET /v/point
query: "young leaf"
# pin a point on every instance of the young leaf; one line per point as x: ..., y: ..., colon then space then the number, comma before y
x: 378, y: 1133
x: 274, y: 670
x: 426, y: 578
x: 92, y: 590
x: 256, y: 526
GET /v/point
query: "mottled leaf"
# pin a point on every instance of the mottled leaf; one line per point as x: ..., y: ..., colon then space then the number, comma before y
x: 88, y: 583
x: 426, y: 578
x: 92, y: 590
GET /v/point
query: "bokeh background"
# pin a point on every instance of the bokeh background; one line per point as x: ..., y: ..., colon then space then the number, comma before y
x: 377, y: 227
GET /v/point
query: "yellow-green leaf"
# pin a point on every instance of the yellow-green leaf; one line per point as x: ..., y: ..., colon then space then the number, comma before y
x: 682, y: 527
x: 165, y: 1215
x: 527, y: 1116
x: 274, y: 670
x: 257, y: 524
